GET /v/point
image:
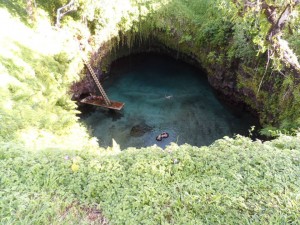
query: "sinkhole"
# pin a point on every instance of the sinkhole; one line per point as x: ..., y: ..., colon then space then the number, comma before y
x: 162, y: 94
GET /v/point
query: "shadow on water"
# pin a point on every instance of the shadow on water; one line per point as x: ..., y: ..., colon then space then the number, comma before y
x: 163, y: 94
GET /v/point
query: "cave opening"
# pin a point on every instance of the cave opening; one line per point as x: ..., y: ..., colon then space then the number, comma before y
x: 163, y: 94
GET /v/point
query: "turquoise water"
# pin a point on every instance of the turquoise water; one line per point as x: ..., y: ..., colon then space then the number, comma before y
x: 163, y: 94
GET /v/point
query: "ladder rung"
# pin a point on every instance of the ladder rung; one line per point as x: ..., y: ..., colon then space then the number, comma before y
x: 107, y: 101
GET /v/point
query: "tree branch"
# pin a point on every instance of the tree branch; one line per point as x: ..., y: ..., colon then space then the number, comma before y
x: 280, y: 46
x: 64, y: 10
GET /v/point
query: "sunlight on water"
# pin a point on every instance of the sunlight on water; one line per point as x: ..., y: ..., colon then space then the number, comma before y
x: 163, y: 94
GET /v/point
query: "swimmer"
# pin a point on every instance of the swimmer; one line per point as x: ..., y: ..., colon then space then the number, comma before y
x: 159, y: 138
x: 165, y: 135
x: 162, y: 135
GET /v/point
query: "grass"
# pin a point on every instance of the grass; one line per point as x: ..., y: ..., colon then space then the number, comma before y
x: 233, y: 181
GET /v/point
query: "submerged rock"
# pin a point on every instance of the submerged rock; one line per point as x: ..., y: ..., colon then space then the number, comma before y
x: 140, y: 129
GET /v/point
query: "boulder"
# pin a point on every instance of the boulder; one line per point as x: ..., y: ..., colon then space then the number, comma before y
x: 140, y: 129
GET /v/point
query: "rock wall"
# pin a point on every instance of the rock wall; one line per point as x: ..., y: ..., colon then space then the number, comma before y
x: 222, y: 78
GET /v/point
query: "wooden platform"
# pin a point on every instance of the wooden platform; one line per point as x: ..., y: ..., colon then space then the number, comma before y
x: 100, y: 102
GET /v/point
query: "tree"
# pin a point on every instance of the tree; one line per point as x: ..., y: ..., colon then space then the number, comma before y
x: 30, y: 8
x: 71, y: 6
x: 278, y: 15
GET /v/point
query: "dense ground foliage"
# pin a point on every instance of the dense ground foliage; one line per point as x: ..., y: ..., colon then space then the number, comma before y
x: 234, y: 181
x: 37, y: 67
x: 52, y: 172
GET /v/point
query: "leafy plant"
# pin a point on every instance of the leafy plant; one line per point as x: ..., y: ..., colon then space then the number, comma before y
x: 232, y: 181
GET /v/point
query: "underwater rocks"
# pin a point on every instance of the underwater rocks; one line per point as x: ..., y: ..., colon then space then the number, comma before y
x: 140, y: 129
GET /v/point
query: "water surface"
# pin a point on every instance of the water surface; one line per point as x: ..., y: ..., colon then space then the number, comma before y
x: 163, y: 94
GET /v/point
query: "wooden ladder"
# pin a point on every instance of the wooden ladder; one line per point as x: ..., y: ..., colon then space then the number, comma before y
x: 104, y: 95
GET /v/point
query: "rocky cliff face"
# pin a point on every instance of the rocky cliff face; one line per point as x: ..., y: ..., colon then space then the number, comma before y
x: 229, y: 81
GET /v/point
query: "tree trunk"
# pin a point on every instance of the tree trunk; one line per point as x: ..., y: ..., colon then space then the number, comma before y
x: 30, y: 9
x: 279, y: 45
x: 64, y: 10
x: 278, y: 19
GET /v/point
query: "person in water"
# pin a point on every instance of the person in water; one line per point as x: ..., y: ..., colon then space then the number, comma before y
x: 159, y: 138
x: 162, y: 135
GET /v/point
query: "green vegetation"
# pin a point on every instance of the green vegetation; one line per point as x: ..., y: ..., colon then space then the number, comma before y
x: 53, y: 172
x: 230, y: 44
x: 234, y: 181
x: 36, y: 73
